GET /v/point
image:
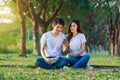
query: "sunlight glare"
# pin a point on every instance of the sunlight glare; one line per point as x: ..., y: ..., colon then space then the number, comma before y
x: 5, y: 14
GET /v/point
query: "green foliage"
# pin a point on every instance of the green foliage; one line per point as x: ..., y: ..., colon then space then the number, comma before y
x: 8, y: 41
x: 50, y: 6
x: 29, y: 46
x: 91, y: 13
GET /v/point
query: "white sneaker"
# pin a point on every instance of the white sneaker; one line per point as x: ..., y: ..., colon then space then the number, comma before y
x: 66, y: 68
x: 89, y: 67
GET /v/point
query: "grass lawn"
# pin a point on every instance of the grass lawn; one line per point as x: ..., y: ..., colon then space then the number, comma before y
x: 13, y: 67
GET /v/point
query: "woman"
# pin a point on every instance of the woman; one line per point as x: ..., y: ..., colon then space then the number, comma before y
x: 77, y: 56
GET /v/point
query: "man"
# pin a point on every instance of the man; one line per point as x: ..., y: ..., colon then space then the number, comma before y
x: 51, y: 47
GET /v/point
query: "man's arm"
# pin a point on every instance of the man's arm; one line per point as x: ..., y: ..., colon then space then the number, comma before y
x: 65, y: 45
x: 43, y: 47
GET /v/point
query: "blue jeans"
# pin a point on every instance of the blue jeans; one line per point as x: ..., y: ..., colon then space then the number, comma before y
x: 60, y: 63
x: 79, y: 61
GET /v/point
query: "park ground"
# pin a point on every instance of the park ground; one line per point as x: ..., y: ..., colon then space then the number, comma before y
x: 13, y: 67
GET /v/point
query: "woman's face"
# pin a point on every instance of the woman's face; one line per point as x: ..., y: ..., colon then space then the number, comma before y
x: 73, y: 27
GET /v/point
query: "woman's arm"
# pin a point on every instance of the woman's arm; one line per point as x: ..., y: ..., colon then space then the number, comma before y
x: 81, y: 51
x: 83, y: 48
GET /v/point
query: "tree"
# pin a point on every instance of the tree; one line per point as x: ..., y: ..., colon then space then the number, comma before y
x: 108, y: 14
x: 22, y: 29
x: 118, y: 29
x: 113, y: 26
x: 98, y: 19
x: 40, y: 17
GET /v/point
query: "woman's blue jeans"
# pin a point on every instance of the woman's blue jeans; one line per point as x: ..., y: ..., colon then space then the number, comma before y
x: 60, y: 63
x: 79, y: 61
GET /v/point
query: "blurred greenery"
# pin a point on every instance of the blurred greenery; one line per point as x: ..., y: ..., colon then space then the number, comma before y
x: 94, y: 16
x: 10, y: 39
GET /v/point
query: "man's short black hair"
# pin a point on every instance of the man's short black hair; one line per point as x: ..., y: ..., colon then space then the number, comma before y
x: 58, y: 21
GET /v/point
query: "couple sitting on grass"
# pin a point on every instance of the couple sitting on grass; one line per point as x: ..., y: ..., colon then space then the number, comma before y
x: 54, y: 42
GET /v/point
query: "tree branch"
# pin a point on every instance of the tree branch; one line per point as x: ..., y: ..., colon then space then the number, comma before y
x: 57, y: 8
x: 43, y: 6
x: 25, y: 7
x: 31, y: 9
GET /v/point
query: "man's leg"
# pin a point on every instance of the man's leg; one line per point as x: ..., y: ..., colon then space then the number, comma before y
x: 61, y: 62
x: 40, y: 62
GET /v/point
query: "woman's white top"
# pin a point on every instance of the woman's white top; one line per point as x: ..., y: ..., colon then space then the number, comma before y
x: 75, y: 44
x: 53, y: 44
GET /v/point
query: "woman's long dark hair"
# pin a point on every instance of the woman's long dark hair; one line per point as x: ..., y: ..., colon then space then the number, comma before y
x: 79, y: 30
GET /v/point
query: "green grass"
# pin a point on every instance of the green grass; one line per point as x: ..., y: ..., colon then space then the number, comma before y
x: 104, y: 60
x: 14, y: 72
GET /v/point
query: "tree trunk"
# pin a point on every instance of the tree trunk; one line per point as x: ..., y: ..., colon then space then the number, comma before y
x: 38, y: 27
x: 43, y: 26
x: 117, y: 29
x: 89, y: 47
x: 110, y: 49
x: 36, y: 39
x: 110, y: 38
x: 118, y: 40
x: 23, y: 37
x: 100, y: 47
x: 22, y: 30
x: 35, y: 29
x: 118, y: 44
x: 110, y: 46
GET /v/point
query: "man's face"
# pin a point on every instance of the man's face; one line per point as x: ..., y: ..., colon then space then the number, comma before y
x: 58, y: 28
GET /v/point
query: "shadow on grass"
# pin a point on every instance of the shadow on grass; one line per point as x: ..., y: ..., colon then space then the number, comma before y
x: 32, y: 66
x: 105, y: 67
x: 2, y: 59
x: 17, y: 66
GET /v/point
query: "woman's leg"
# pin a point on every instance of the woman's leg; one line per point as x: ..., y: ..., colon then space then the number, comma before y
x: 72, y: 59
x: 40, y: 62
x: 82, y: 62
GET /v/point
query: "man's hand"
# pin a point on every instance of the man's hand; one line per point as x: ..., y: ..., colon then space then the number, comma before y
x: 50, y: 61
x: 65, y: 45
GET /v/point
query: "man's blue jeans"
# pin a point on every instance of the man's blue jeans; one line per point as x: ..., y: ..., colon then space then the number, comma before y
x: 60, y: 63
x: 79, y: 61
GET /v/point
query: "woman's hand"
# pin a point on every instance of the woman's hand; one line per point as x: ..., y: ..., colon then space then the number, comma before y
x: 75, y: 55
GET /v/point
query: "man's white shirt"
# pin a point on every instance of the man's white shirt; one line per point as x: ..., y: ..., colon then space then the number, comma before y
x: 53, y: 44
